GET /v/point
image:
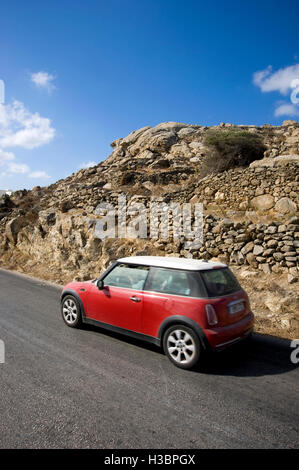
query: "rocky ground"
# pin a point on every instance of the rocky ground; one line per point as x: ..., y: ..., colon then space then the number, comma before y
x: 250, y: 215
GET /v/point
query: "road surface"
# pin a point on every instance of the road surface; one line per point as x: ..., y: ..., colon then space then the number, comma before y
x: 68, y: 388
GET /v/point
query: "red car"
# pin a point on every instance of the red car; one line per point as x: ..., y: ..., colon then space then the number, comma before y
x: 186, y: 306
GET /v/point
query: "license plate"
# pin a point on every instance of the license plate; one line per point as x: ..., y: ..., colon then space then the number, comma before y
x: 236, y: 307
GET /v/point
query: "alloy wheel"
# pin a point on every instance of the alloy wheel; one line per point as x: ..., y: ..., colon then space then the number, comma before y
x: 70, y: 311
x: 181, y: 347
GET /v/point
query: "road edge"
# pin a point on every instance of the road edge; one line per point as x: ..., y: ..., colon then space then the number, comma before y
x: 31, y: 278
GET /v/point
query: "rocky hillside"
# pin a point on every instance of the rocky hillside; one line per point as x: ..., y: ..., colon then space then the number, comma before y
x: 250, y: 219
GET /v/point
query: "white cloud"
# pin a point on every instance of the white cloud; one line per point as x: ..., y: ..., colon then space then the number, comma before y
x: 287, y: 109
x: 284, y: 81
x: 10, y: 167
x: 87, y: 164
x: 21, y: 128
x: 19, y: 168
x: 280, y: 81
x: 43, y: 80
x: 6, y: 156
x: 39, y: 174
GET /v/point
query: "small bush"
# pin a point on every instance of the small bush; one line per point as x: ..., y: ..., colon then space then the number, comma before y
x: 230, y: 148
x: 127, y: 178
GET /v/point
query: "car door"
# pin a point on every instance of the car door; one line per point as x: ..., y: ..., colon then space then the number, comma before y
x: 168, y: 292
x: 120, y: 302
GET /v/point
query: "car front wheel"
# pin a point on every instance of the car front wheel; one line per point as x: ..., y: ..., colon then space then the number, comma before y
x: 71, y: 312
x: 182, y: 346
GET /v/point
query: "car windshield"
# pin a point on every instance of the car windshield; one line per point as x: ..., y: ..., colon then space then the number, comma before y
x: 220, y: 282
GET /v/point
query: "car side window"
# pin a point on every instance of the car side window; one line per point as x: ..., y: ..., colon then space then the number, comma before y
x: 171, y: 281
x: 126, y: 275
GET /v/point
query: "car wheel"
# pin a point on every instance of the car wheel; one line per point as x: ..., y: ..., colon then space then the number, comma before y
x: 71, y: 312
x: 182, y: 346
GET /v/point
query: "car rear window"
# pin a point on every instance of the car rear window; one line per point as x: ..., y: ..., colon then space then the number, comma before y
x: 175, y: 282
x: 219, y: 282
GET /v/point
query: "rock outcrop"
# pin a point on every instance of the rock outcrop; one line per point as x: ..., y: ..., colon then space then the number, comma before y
x: 250, y: 214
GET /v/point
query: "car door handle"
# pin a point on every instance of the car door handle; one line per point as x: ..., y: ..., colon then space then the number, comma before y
x: 135, y: 299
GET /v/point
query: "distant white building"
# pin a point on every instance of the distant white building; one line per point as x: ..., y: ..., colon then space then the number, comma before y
x: 5, y: 191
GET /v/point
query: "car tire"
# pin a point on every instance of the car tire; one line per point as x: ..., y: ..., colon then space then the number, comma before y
x: 71, y: 311
x: 182, y: 346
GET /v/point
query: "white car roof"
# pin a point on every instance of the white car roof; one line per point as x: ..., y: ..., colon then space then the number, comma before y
x: 172, y: 262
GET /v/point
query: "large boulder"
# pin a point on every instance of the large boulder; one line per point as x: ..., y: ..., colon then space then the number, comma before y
x: 263, y: 202
x: 276, y: 161
x: 290, y: 122
x: 285, y: 205
x: 13, y: 227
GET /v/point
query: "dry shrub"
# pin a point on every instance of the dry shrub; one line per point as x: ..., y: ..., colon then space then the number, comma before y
x: 230, y: 148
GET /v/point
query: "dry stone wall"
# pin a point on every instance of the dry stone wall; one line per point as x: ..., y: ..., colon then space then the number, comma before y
x: 250, y: 214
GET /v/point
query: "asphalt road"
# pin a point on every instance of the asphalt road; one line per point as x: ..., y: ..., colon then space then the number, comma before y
x: 67, y: 388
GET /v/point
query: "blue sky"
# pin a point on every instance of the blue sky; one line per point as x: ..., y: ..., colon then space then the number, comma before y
x: 80, y: 74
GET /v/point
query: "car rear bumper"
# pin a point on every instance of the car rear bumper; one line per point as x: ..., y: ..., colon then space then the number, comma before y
x: 224, y: 336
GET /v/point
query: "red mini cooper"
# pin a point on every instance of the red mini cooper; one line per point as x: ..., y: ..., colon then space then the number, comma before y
x: 186, y: 306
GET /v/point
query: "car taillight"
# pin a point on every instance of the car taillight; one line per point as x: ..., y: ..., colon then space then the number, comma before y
x: 211, y: 315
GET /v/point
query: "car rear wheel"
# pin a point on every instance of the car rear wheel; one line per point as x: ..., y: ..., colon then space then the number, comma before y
x: 182, y: 346
x: 71, y: 312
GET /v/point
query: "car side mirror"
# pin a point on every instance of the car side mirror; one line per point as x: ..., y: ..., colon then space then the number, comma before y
x: 100, y: 284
